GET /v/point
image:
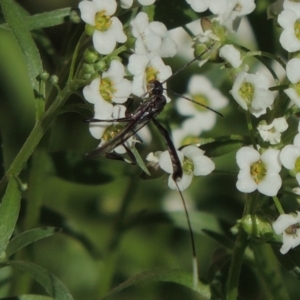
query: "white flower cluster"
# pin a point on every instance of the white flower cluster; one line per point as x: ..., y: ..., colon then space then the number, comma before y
x: 148, y: 42
x: 228, y: 12
x: 109, y: 91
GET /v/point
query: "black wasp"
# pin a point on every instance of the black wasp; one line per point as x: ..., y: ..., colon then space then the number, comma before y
x: 149, y: 109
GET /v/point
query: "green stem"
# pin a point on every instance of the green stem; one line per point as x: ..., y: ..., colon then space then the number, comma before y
x: 278, y: 205
x: 111, y: 260
x: 250, y: 128
x: 74, y: 57
x: 35, y: 136
x: 240, y: 246
x: 268, y: 268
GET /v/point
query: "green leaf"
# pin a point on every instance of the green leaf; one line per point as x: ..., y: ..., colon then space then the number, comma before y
x: 9, y: 212
x: 50, y: 283
x: 221, y: 239
x: 28, y: 297
x: 15, y: 19
x: 224, y: 145
x: 46, y: 19
x: 28, y: 237
x: 139, y: 161
x: 49, y: 19
x: 170, y: 275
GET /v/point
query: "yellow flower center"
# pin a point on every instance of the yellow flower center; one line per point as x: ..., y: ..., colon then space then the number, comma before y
x: 292, y: 230
x: 188, y: 166
x: 107, y: 89
x: 246, y: 91
x: 296, y: 87
x: 297, y: 165
x: 297, y: 29
x: 151, y: 74
x: 111, y: 131
x: 190, y: 139
x: 258, y: 171
x: 202, y: 100
x: 102, y: 21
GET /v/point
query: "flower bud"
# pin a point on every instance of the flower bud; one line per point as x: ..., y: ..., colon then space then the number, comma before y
x: 91, y: 55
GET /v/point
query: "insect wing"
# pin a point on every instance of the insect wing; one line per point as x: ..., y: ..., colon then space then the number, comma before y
x: 131, y: 129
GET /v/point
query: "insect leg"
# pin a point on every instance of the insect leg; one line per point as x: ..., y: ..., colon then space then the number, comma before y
x: 177, y: 174
x: 92, y: 120
x: 177, y: 169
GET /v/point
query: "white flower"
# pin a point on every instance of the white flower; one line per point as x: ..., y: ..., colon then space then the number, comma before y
x: 290, y: 158
x: 232, y: 55
x: 146, y: 2
x: 107, y: 130
x: 198, y: 5
x: 289, y: 38
x: 111, y: 87
x: 297, y: 137
x: 272, y: 132
x: 145, y: 69
x: 183, y: 135
x: 128, y: 3
x: 152, y: 38
x: 226, y: 10
x: 201, y: 90
x: 259, y: 172
x: 251, y: 91
x: 109, y: 113
x: 293, y: 74
x: 107, y: 30
x: 289, y: 227
x: 292, y: 5
x: 193, y: 162
x: 229, y: 12
x: 153, y: 157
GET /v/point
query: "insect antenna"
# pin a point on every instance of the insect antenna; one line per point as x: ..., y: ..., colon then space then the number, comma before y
x: 194, y: 260
x: 193, y: 101
x: 189, y: 63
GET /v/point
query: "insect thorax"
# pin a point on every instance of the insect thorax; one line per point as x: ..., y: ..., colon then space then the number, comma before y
x: 155, y: 87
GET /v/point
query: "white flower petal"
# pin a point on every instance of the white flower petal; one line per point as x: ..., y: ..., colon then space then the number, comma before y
x: 198, y: 5
x: 293, y: 95
x: 115, y: 72
x: 117, y: 29
x: 288, y: 156
x: 104, y: 41
x: 203, y: 165
x: 91, y: 92
x: 165, y: 162
x: 271, y: 160
x: 109, y: 6
x: 245, y: 183
x: 231, y: 54
x: 182, y: 184
x: 270, y: 185
x: 292, y: 70
x: 123, y: 91
x: 283, y: 222
x: 88, y: 10
x: 192, y: 151
x: 146, y: 2
x: 126, y: 3
x: 246, y: 156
